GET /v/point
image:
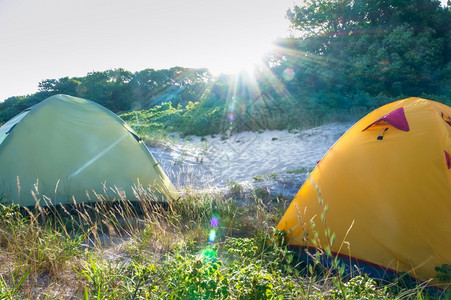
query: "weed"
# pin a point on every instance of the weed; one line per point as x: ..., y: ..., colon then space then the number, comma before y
x: 271, y: 176
x: 234, y: 186
x: 360, y: 287
x: 13, y: 291
x: 258, y: 178
x: 444, y: 272
x: 302, y: 170
x: 103, y: 279
x: 264, y: 177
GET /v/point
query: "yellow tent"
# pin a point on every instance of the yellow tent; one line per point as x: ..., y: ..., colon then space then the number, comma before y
x: 385, y: 188
x: 67, y: 147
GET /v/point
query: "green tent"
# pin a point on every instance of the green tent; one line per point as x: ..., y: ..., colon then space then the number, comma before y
x: 69, y: 148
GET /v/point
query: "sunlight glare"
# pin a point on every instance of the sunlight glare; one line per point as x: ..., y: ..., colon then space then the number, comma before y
x: 209, y: 254
x: 212, y: 236
x: 214, y: 222
x: 240, y: 59
x: 288, y: 74
x: 234, y: 67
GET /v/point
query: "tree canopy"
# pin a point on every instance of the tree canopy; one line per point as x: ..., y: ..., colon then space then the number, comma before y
x: 393, y: 48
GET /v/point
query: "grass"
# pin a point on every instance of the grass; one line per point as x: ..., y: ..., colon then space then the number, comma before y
x: 300, y: 171
x: 203, y: 246
x: 260, y: 178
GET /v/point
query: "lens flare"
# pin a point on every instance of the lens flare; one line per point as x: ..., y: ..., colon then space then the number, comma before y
x: 212, y: 236
x: 231, y: 109
x: 288, y: 74
x: 214, y: 222
x: 209, y: 253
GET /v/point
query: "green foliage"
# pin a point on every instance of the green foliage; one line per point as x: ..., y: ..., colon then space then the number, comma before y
x: 444, y: 272
x: 9, y: 213
x: 244, y: 248
x: 360, y: 287
x: 300, y: 171
x: 258, y: 178
x: 239, y: 270
x: 12, y: 291
x: 119, y: 90
x: 40, y: 249
x: 265, y: 177
x: 103, y: 279
x: 191, y: 277
x: 375, y: 47
x: 234, y: 186
x: 15, y: 105
x: 167, y: 254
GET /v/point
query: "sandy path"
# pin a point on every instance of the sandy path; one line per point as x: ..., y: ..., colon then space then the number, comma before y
x: 277, y: 160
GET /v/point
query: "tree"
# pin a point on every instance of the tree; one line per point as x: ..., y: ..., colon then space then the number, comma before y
x: 110, y: 88
x: 398, y: 47
x: 63, y: 85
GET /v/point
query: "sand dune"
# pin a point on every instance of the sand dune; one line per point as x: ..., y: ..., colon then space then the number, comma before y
x: 280, y: 161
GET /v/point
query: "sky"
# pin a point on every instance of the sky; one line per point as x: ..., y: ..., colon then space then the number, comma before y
x: 51, y: 39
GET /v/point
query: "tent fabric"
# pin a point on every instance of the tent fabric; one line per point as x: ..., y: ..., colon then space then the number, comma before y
x: 388, y: 201
x: 8, y: 126
x: 396, y: 118
x: 70, y: 148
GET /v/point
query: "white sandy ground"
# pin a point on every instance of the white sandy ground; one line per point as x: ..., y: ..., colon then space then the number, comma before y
x: 278, y: 161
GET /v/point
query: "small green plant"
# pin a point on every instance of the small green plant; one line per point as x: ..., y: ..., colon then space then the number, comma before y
x: 444, y: 272
x: 300, y: 170
x: 9, y: 212
x: 234, y: 186
x: 271, y: 176
x: 261, y: 193
x: 258, y: 178
x: 181, y: 158
x: 264, y: 177
x: 13, y: 291
x: 103, y: 279
x: 360, y: 287
x: 244, y: 248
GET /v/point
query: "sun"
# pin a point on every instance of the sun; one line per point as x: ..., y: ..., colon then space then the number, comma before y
x: 238, y: 58
x: 236, y: 65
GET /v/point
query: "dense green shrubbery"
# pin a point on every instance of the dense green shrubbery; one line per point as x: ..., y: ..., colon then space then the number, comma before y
x: 208, y: 117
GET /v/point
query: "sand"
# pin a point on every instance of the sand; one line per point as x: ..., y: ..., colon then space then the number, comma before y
x: 278, y: 161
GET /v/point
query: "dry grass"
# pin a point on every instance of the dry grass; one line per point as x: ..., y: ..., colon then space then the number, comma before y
x: 117, y: 249
x: 52, y: 243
